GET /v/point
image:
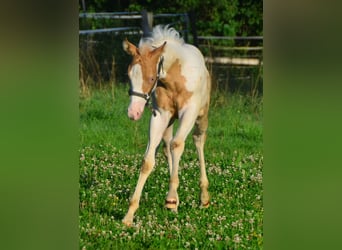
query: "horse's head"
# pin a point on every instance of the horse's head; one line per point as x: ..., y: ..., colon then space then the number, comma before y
x: 142, y: 73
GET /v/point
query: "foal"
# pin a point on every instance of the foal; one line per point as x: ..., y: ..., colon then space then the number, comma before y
x: 174, y: 75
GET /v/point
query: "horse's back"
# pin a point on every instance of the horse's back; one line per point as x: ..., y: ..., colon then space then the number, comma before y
x: 195, y: 69
x: 194, y: 55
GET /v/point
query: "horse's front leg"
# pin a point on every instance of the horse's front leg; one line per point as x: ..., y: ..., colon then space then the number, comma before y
x: 158, y: 124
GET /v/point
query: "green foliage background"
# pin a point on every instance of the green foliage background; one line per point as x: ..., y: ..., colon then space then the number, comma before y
x: 103, y: 61
x: 214, y: 17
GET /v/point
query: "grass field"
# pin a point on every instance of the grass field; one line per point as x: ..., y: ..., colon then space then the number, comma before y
x: 111, y: 150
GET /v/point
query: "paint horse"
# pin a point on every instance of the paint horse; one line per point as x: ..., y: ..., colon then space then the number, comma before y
x: 173, y: 75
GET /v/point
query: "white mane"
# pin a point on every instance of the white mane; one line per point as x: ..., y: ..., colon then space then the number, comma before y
x: 160, y: 34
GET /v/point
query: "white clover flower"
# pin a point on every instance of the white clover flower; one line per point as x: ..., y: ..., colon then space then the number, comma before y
x: 237, y: 239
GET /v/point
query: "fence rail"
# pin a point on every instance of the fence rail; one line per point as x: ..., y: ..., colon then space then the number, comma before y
x: 136, y: 30
x: 230, y: 37
x: 111, y: 15
x: 234, y: 60
x: 126, y: 15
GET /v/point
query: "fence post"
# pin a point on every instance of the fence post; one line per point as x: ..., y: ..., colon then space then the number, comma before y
x: 146, y: 23
x: 186, y: 33
x: 193, y: 27
x: 84, y: 6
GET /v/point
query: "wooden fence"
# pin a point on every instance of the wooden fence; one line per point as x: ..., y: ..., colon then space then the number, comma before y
x: 233, y: 64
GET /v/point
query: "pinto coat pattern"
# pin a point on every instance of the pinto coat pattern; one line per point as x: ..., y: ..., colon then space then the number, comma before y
x: 173, y: 74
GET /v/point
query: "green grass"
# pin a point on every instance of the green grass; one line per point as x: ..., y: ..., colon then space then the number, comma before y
x: 112, y: 149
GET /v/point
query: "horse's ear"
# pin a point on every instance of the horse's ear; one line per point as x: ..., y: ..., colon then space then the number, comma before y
x: 130, y: 48
x: 159, y: 50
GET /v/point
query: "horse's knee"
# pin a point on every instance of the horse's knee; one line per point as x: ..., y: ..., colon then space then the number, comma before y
x: 177, y: 145
x: 146, y: 167
x: 204, y: 184
x: 200, y: 129
x: 199, y: 138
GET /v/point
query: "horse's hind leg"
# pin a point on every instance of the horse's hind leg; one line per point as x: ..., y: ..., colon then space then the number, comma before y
x: 199, y: 136
x: 167, y: 137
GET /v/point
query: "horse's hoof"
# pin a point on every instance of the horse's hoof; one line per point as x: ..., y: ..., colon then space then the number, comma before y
x: 127, y: 222
x: 171, y: 204
x: 205, y: 205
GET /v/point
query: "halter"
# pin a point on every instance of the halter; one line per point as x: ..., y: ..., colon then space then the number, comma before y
x: 147, y: 97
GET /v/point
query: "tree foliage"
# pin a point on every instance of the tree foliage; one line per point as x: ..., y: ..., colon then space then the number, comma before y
x: 213, y: 17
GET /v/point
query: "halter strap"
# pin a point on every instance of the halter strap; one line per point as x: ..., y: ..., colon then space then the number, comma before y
x: 142, y: 95
x: 147, y: 97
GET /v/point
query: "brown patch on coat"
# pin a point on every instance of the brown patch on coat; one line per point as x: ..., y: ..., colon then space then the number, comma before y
x: 165, y: 100
x: 148, y: 59
x: 175, y: 95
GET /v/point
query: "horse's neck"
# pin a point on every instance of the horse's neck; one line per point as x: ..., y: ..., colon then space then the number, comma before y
x: 171, y: 54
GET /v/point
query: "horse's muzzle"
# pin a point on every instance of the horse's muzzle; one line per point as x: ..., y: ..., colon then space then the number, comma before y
x: 135, y: 110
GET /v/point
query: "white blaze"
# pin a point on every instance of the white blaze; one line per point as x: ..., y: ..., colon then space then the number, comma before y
x: 137, y: 104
